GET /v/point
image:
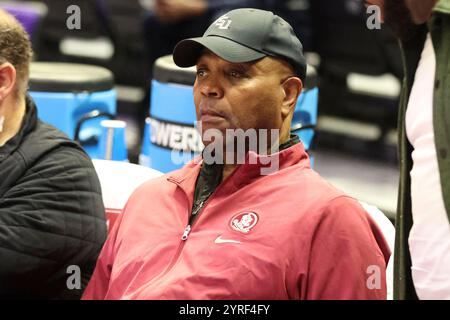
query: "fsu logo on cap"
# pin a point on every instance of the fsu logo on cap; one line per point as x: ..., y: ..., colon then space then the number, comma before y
x: 244, y: 221
x: 223, y: 22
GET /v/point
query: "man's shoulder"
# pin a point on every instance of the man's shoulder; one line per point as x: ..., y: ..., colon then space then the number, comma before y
x: 47, y: 132
x: 164, y: 184
x: 344, y: 213
x: 343, y: 203
x: 155, y: 185
x: 317, y: 191
x: 45, y: 141
x: 312, y: 184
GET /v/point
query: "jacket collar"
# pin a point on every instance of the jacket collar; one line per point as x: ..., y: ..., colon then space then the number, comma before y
x: 29, y: 123
x: 254, y: 167
x: 257, y: 166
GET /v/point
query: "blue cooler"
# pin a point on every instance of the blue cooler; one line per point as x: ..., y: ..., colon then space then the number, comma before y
x: 170, y: 138
x: 74, y: 98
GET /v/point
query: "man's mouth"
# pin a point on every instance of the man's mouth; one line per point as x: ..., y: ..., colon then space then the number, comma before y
x: 210, y: 117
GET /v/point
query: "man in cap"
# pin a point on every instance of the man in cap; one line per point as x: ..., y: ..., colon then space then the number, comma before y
x: 52, y: 221
x: 267, y: 227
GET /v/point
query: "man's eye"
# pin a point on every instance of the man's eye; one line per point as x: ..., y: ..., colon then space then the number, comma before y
x: 235, y: 74
x: 200, y: 73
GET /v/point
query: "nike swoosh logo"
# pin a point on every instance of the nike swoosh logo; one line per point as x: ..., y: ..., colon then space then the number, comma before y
x: 220, y: 240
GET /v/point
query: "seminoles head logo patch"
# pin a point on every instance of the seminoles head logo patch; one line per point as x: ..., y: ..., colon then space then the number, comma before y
x: 244, y: 221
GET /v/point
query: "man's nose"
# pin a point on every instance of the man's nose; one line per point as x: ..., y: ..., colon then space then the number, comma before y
x: 211, y: 87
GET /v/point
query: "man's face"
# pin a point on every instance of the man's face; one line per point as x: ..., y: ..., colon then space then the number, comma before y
x: 238, y: 96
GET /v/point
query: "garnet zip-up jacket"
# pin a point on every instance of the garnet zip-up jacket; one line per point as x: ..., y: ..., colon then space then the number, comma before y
x: 287, y: 235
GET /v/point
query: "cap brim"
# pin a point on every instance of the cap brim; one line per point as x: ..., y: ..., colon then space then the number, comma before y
x: 187, y: 52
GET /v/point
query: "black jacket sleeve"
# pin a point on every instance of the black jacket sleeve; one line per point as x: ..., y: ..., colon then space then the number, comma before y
x: 51, y: 219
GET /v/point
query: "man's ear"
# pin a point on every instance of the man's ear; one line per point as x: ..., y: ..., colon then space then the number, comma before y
x: 292, y: 88
x: 7, y: 80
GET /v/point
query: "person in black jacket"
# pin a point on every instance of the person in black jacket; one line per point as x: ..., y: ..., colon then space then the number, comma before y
x: 52, y: 223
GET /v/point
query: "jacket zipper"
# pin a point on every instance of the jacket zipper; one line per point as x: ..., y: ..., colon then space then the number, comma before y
x: 184, y: 237
x: 188, y: 230
x: 192, y: 219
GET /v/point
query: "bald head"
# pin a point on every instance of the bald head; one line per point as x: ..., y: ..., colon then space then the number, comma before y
x: 15, y: 48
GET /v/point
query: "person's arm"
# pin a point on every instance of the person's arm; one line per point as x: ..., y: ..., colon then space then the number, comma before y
x: 53, y: 218
x: 348, y: 255
x: 98, y: 286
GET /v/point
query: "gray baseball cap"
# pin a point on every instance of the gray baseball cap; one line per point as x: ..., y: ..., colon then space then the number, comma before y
x: 245, y: 35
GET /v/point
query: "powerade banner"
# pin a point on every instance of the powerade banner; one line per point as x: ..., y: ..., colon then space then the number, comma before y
x: 175, y: 136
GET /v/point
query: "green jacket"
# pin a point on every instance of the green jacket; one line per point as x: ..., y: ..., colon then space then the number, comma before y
x: 439, y: 26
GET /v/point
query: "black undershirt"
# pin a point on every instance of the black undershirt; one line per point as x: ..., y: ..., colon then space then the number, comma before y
x: 210, y: 177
